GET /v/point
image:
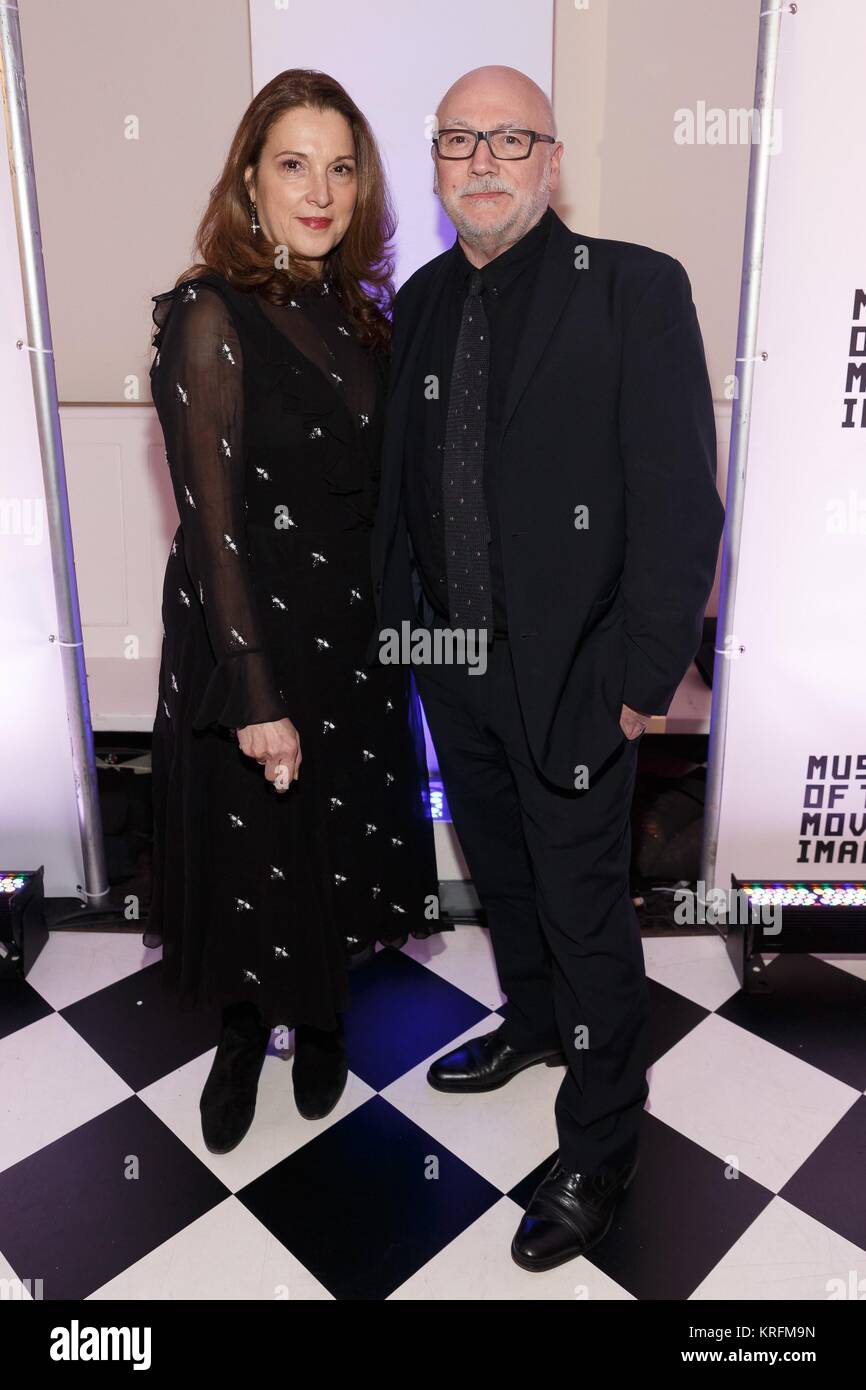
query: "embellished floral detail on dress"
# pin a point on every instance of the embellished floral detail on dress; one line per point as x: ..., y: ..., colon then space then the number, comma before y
x: 265, y: 416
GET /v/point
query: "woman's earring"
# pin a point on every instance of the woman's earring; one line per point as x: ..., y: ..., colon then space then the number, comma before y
x: 254, y: 224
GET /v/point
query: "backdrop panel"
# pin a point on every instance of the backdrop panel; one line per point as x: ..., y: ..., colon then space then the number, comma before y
x: 396, y: 61
x: 38, y: 812
x: 794, y: 792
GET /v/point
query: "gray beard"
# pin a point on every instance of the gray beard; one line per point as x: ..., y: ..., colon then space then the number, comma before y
x: 511, y: 227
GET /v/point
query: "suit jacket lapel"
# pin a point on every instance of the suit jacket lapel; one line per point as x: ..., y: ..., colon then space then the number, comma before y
x: 414, y: 335
x: 557, y: 279
x: 402, y: 374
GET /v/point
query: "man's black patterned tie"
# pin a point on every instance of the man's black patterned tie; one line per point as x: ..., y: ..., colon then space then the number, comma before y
x: 467, y: 533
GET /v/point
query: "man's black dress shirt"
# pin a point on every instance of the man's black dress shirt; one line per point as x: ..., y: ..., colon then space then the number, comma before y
x: 508, y: 281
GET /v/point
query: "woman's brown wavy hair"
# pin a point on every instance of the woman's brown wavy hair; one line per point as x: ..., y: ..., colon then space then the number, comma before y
x: 361, y: 265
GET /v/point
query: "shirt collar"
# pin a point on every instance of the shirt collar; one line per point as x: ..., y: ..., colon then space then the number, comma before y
x: 499, y: 272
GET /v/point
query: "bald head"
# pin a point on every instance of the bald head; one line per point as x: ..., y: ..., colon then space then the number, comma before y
x: 494, y: 201
x: 522, y: 100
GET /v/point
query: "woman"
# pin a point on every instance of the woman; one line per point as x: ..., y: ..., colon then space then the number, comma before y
x: 290, y: 795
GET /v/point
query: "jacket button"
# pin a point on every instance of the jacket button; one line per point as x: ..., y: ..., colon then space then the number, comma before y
x: 379, y: 588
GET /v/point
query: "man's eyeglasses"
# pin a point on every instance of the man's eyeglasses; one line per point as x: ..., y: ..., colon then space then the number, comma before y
x: 503, y: 144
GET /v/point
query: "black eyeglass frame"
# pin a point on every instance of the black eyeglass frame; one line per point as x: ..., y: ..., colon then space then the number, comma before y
x: 534, y: 137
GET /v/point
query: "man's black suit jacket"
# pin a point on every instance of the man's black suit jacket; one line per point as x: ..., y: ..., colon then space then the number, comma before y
x: 608, y: 408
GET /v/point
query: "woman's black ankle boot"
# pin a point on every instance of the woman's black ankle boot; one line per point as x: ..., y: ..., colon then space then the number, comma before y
x: 320, y: 1069
x: 228, y: 1101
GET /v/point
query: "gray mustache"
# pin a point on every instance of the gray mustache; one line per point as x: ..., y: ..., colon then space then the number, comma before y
x: 485, y: 188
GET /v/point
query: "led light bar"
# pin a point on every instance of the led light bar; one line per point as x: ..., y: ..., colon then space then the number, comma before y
x: 816, y: 915
x: 796, y: 894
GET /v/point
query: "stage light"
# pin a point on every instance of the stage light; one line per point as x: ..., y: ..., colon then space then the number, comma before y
x: 799, y: 894
x: 23, y: 932
x: 799, y: 916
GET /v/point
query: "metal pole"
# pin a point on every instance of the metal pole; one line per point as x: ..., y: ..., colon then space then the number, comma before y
x: 39, y: 345
x: 770, y: 21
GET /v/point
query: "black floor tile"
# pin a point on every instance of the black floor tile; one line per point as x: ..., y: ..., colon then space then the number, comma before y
x: 401, y: 1013
x: 369, y: 1201
x: 813, y: 1010
x: 678, y: 1218
x: 20, y: 1005
x: 86, y: 1207
x: 831, y: 1184
x: 139, y: 1030
x: 671, y: 1017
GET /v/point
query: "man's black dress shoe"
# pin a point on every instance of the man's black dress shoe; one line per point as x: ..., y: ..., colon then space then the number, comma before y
x: 569, y: 1213
x: 483, y: 1064
x: 320, y: 1069
x: 228, y: 1101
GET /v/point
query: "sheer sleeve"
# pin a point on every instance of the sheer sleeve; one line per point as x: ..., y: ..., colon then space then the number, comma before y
x: 198, y: 392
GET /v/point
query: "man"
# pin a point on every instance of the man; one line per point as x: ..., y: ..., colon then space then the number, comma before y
x: 548, y: 479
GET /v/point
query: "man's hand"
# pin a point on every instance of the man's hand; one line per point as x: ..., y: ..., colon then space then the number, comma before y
x: 632, y: 723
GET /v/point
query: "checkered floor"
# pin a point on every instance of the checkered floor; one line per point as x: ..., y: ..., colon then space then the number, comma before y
x: 750, y: 1185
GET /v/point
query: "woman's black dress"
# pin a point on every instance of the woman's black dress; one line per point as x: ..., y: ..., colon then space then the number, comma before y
x: 272, y: 424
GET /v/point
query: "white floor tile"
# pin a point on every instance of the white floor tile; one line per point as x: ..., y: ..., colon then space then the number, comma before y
x: 51, y: 1081
x: 752, y: 1104
x: 464, y: 958
x: 695, y: 966
x: 74, y: 964
x: 477, y: 1267
x: 502, y: 1134
x: 786, y: 1254
x: 225, y: 1255
x: 277, y: 1129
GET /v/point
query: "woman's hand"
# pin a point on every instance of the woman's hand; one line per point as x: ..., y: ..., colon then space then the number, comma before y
x: 276, y: 744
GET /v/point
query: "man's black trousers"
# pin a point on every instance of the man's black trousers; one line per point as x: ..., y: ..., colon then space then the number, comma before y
x: 551, y: 868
